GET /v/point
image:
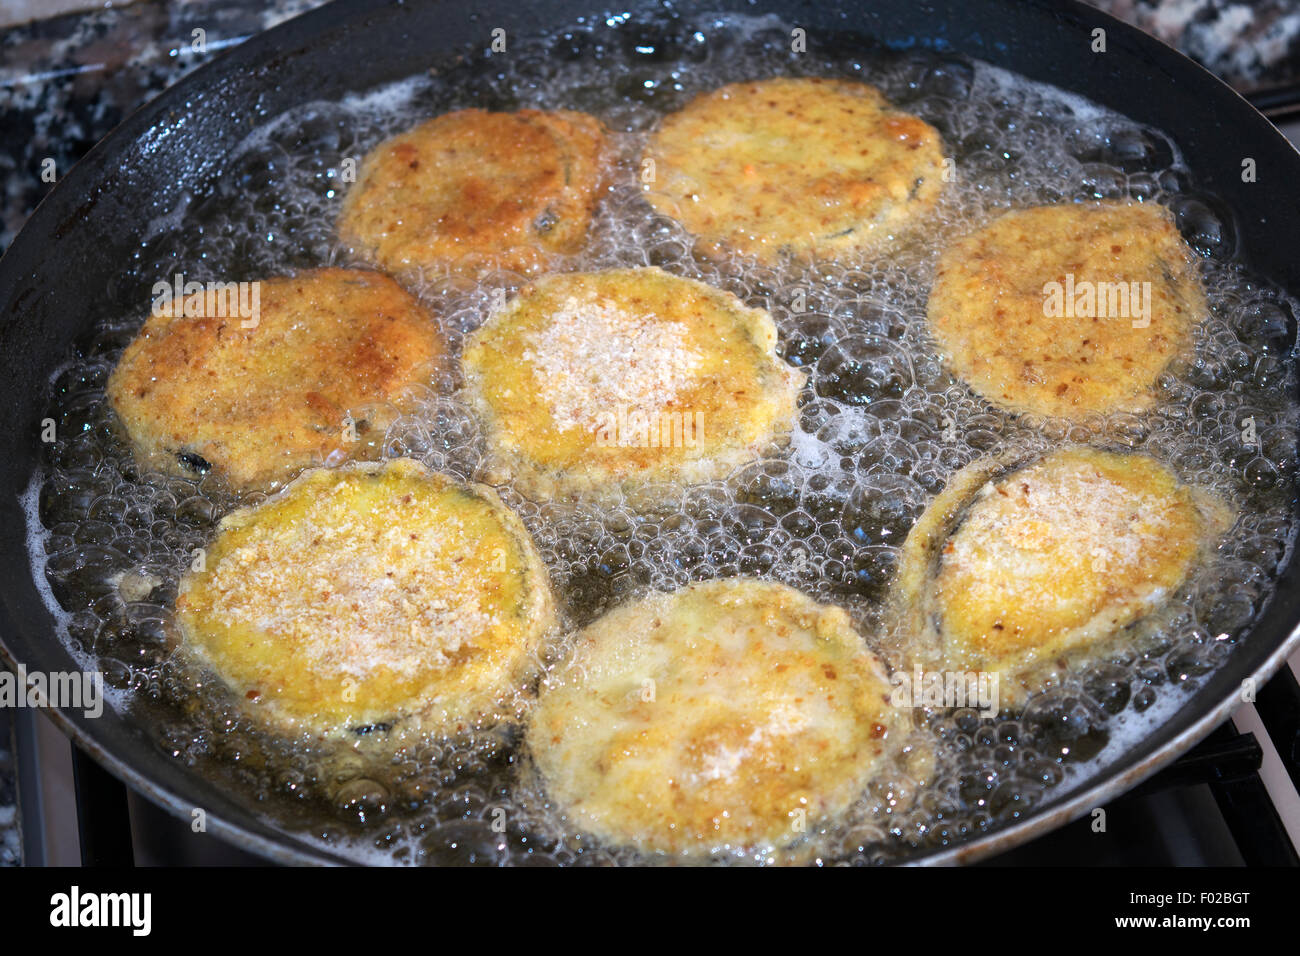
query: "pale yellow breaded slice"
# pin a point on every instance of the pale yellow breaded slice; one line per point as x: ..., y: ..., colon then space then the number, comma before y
x: 1021, y: 569
x: 591, y: 381
x: 372, y: 594
x: 471, y: 191
x: 731, y: 716
x: 317, y: 378
x: 807, y: 167
x: 995, y: 312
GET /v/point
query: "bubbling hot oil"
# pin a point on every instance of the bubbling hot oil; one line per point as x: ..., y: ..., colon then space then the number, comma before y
x: 882, y: 426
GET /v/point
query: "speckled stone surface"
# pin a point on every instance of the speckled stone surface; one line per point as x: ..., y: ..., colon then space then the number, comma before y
x: 1250, y: 45
x: 10, y: 844
x: 65, y: 82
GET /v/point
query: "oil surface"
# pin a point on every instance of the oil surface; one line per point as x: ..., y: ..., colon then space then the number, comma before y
x: 882, y: 427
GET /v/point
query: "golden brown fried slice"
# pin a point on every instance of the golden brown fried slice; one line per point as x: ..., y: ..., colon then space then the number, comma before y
x: 1010, y: 309
x: 728, y: 717
x: 801, y: 166
x: 590, y: 381
x: 367, y: 595
x: 1019, y: 570
x: 315, y: 379
x: 471, y: 191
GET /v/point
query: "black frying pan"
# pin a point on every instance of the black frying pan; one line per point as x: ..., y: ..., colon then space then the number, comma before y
x: 72, y: 249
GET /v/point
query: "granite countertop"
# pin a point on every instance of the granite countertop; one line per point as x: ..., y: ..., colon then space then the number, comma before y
x: 1251, y: 45
x: 66, y: 81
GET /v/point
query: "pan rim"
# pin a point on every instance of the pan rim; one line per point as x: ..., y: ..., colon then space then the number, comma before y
x: 287, y: 847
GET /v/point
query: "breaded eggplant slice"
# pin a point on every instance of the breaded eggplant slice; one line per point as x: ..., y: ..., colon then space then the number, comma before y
x: 1027, y: 568
x: 590, y: 381
x: 316, y: 380
x: 1010, y: 312
x: 729, y: 717
x: 473, y: 191
x: 787, y: 166
x: 371, y: 595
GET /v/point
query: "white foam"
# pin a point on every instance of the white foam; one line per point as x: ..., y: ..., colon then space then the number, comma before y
x: 36, y: 536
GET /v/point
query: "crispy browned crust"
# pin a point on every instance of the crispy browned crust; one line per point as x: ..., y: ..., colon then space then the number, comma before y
x: 804, y: 167
x: 987, y: 307
x: 373, y: 594
x: 259, y: 404
x: 474, y: 190
x: 737, y: 391
x: 1026, y: 568
x: 729, y: 716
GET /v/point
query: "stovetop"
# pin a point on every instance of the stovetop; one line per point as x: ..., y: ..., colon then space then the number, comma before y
x: 66, y: 81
